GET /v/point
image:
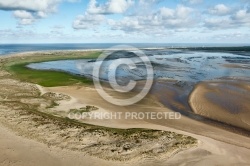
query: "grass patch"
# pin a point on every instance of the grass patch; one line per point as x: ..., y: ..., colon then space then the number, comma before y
x: 53, y: 104
x: 48, y: 78
x: 88, y: 108
x: 220, y: 49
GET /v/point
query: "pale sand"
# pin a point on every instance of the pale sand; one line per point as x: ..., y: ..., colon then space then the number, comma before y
x: 234, y: 149
x: 19, y: 151
x: 209, y: 151
x: 226, y: 102
x: 146, y: 105
x: 241, y: 66
x: 16, y: 97
x: 217, y: 146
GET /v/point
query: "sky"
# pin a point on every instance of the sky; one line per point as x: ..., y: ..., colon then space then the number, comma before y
x: 125, y: 21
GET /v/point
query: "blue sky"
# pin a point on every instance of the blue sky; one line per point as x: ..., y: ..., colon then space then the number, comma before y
x: 125, y: 21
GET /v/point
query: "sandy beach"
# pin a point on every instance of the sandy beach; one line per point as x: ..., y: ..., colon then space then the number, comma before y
x: 23, y: 135
x: 223, y: 101
x: 125, y: 83
x: 210, y: 149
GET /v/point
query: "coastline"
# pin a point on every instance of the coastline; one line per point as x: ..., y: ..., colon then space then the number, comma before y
x: 212, y: 149
x: 22, y: 99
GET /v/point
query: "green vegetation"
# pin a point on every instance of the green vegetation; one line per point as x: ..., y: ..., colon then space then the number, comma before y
x: 26, y: 104
x: 53, y: 104
x: 48, y: 78
x: 243, y: 48
x: 65, y: 122
x: 88, y: 108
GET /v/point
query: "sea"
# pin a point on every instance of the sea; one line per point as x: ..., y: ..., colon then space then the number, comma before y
x: 6, y: 49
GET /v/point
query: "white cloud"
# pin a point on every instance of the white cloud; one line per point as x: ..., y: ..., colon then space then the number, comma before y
x: 58, y: 27
x: 161, y: 20
x: 150, y: 18
x: 23, y: 14
x: 241, y: 18
x: 95, y: 13
x: 30, y: 5
x: 119, y: 6
x: 110, y: 7
x: 141, y: 2
x: 23, y: 36
x: 226, y: 18
x: 220, y: 9
x: 193, y: 1
x: 74, y: 1
x: 182, y: 11
x: 241, y: 15
x: 25, y: 18
x: 235, y: 36
x: 87, y: 21
x: 167, y: 13
x: 127, y: 24
x: 28, y: 11
x: 218, y: 23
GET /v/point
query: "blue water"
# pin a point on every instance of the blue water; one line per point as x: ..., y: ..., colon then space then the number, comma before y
x: 6, y: 49
x: 182, y: 66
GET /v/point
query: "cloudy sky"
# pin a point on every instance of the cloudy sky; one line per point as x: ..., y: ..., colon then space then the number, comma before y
x: 125, y: 21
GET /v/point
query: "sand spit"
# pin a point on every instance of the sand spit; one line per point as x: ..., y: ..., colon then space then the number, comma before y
x: 52, y: 141
x: 146, y: 105
x: 227, y: 102
x: 20, y: 99
x: 25, y: 109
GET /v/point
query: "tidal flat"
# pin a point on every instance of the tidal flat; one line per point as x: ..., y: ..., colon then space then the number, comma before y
x: 34, y: 105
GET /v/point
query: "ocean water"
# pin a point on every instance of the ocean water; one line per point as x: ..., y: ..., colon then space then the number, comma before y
x: 172, y: 64
x: 6, y: 49
x: 188, y: 66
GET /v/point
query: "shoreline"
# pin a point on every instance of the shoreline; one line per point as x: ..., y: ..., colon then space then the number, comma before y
x: 145, y: 106
x: 203, y: 102
x: 11, y: 104
x: 213, y: 149
x: 228, y: 49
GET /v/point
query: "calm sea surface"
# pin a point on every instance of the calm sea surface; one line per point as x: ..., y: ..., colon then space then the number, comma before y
x: 6, y: 49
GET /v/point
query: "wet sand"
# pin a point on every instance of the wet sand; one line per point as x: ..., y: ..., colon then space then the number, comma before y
x: 216, y: 145
x: 227, y: 102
